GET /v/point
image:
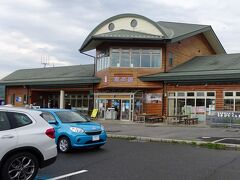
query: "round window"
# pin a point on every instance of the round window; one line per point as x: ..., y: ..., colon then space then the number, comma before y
x: 111, y: 26
x: 134, y: 23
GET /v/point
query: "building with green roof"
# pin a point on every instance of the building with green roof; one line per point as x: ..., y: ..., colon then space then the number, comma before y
x: 141, y: 66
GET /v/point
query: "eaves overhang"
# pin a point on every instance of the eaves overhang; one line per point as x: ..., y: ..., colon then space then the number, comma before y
x: 194, y: 78
x: 63, y: 81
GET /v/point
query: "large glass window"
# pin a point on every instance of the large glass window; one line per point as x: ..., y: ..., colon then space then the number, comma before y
x: 102, y: 60
x: 228, y: 104
x: 156, y: 56
x: 115, y: 56
x: 78, y: 101
x: 136, y: 58
x: 193, y: 104
x: 125, y: 59
x: 146, y: 58
x: 180, y: 106
x: 85, y: 101
x: 172, y: 107
x: 237, y: 104
x: 231, y: 100
x: 190, y: 108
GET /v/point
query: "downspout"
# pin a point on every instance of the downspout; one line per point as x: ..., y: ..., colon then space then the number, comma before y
x: 164, y: 85
x: 94, y: 67
x: 94, y: 59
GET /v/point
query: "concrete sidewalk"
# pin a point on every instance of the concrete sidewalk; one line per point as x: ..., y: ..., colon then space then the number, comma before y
x: 163, y: 131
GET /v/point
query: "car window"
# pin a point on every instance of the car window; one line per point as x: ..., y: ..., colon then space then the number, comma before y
x: 18, y: 119
x: 4, y: 122
x: 47, y: 116
x: 70, y: 117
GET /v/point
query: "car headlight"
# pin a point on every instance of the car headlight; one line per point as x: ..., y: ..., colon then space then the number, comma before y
x: 102, y: 128
x: 76, y: 130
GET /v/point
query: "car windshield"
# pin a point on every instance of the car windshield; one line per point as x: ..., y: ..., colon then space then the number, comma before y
x: 70, y: 117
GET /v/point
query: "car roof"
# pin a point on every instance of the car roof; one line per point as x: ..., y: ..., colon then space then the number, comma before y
x: 18, y: 109
x: 53, y: 110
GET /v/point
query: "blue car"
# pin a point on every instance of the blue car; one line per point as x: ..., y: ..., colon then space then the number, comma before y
x: 73, y: 130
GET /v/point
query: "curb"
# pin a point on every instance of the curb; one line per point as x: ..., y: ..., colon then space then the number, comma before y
x: 177, y: 141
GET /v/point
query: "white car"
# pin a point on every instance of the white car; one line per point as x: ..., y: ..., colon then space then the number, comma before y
x: 26, y: 143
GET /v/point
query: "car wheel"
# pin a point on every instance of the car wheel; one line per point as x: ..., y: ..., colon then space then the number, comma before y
x: 64, y: 144
x: 21, y: 166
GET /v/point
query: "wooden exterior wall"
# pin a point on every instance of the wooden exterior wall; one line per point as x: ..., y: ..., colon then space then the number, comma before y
x: 187, y: 49
x: 153, y: 108
x: 14, y: 92
x: 108, y: 76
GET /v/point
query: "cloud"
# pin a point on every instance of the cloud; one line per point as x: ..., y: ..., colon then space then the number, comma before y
x: 57, y: 28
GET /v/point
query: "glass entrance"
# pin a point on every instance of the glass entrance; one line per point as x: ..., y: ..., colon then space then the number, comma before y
x: 125, y: 110
x: 118, y: 106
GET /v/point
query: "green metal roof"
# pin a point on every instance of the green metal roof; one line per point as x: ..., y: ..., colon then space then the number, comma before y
x: 225, y: 67
x: 127, y: 34
x: 177, y: 30
x: 172, y: 32
x: 77, y: 74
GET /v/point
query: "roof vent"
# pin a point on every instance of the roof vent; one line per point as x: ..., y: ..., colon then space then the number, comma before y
x: 111, y: 27
x: 134, y: 23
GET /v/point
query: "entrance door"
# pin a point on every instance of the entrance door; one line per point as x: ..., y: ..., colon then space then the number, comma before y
x: 125, y: 110
x: 181, y: 106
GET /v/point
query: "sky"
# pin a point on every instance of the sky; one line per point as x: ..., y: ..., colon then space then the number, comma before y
x: 33, y: 30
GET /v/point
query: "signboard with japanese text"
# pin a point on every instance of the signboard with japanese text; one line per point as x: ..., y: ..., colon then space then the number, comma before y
x: 123, y: 78
x: 229, y: 118
x: 153, y: 97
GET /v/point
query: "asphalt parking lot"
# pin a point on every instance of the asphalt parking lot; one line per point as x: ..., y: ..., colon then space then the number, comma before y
x: 130, y: 160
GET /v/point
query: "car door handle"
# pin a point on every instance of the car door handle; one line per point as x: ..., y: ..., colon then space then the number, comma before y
x: 7, y: 136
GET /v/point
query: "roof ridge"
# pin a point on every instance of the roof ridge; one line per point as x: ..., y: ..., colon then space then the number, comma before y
x: 56, y: 67
x: 182, y: 23
x: 205, y: 70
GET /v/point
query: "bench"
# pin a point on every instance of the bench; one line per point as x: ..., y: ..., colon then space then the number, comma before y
x: 191, y: 121
x: 154, y: 119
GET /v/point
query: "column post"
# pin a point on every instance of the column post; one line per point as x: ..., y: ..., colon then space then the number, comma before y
x: 62, y: 105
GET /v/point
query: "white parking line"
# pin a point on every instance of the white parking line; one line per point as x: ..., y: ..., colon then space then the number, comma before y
x: 68, y: 175
x: 216, y: 141
x: 225, y: 139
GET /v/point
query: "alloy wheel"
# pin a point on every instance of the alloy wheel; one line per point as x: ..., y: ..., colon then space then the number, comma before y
x: 21, y: 168
x: 63, y: 145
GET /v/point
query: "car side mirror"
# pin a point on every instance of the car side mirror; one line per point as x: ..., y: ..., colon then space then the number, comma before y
x: 52, y: 122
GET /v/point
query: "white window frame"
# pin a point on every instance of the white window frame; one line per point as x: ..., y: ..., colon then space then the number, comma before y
x: 176, y: 97
x: 234, y: 97
x: 140, y: 52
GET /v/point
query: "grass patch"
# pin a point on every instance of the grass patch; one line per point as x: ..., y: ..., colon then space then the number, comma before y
x: 213, y: 146
x: 129, y: 138
x: 175, y: 142
x: 194, y: 143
